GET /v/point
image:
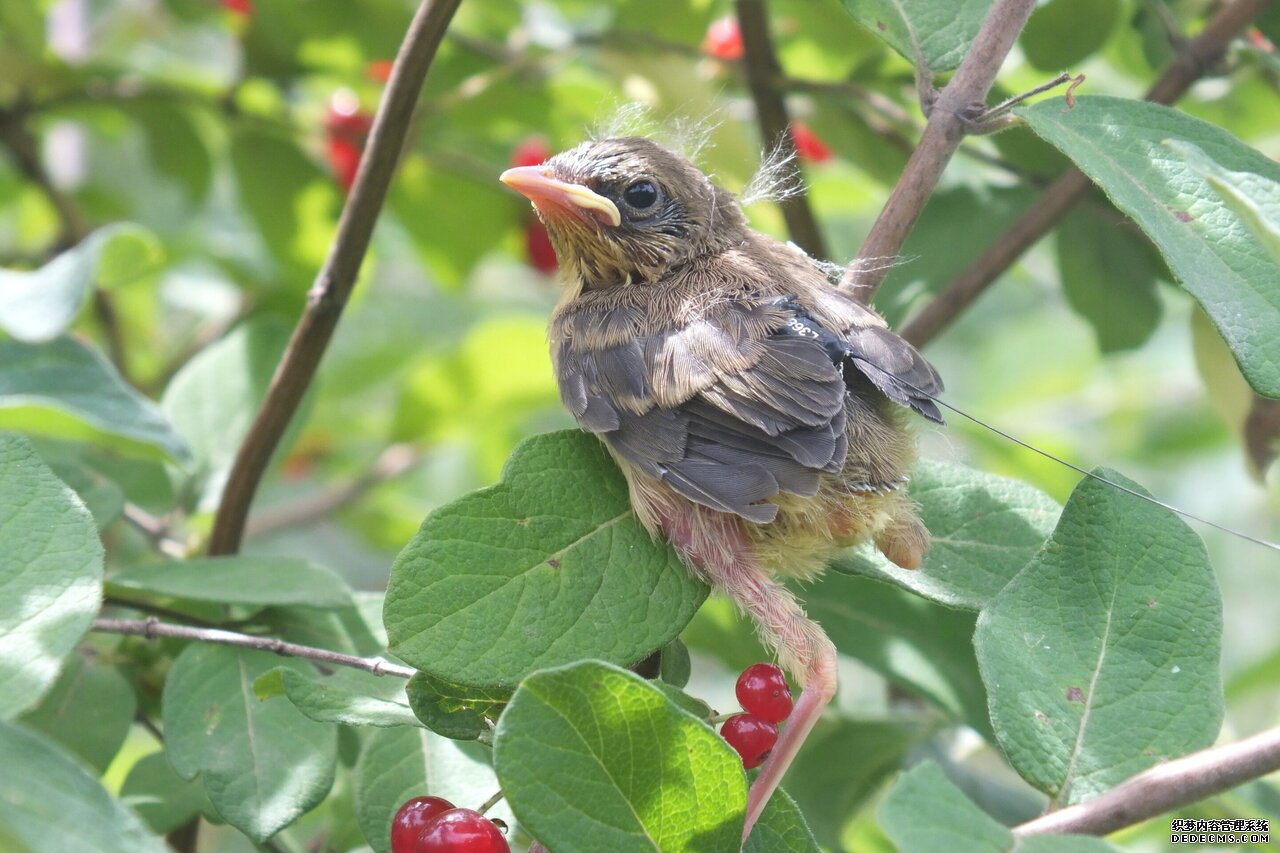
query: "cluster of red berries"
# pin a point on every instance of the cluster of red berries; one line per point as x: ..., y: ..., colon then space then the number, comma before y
x: 537, y: 243
x: 435, y: 825
x: 766, y: 701
x: 346, y: 129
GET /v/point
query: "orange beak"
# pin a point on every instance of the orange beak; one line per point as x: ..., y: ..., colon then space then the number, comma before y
x: 553, y: 197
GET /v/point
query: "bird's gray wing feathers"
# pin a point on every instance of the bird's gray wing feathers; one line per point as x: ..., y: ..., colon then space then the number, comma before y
x: 891, y: 364
x: 728, y: 416
x: 732, y: 410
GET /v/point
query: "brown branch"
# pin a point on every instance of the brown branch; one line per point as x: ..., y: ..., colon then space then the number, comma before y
x: 763, y: 70
x: 942, y: 135
x: 391, y: 463
x: 337, y: 277
x: 153, y: 628
x: 1166, y: 787
x: 1195, y: 57
x: 72, y: 225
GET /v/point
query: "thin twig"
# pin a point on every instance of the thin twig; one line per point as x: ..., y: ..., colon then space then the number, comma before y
x: 24, y: 149
x: 1195, y: 57
x: 337, y: 277
x: 154, y: 610
x: 153, y: 628
x: 1009, y: 103
x: 1168, y: 22
x: 941, y: 137
x: 763, y: 71
x: 881, y: 103
x: 391, y: 463
x: 143, y: 720
x: 205, y: 334
x: 1163, y: 788
x: 72, y: 224
x: 491, y: 802
x: 155, y: 530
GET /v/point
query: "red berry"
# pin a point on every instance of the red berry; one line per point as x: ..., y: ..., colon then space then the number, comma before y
x: 538, y: 248
x: 530, y: 152
x: 239, y: 7
x: 723, y: 39
x: 345, y: 118
x: 379, y: 70
x: 809, y: 147
x: 409, y: 822
x: 762, y: 690
x: 461, y: 831
x: 344, y: 160
x: 751, y: 737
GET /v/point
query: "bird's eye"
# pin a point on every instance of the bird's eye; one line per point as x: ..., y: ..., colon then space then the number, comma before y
x: 640, y: 195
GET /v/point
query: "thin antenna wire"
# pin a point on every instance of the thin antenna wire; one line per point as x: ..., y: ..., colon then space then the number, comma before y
x: 1170, y: 507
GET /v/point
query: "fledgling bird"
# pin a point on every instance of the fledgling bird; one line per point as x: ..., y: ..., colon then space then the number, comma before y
x: 756, y: 411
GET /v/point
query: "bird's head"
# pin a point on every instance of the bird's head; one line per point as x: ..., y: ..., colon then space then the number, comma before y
x: 626, y: 211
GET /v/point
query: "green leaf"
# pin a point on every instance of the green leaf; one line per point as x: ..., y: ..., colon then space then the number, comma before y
x: 89, y: 711
x: 37, y: 306
x: 781, y: 829
x: 455, y: 710
x: 235, y: 580
x: 442, y: 233
x: 689, y: 704
x: 946, y: 239
x: 985, y: 528
x: 288, y: 197
x: 400, y: 763
x: 48, y: 801
x: 214, y: 398
x: 50, y: 574
x: 831, y: 792
x: 1061, y: 33
x: 174, y: 146
x: 65, y: 389
x: 925, y: 811
x: 263, y: 764
x: 675, y: 667
x: 933, y: 35
x: 592, y: 757
x: 547, y: 567
x: 1109, y: 276
x: 1253, y: 198
x: 339, y: 629
x: 1102, y: 656
x: 104, y: 499
x: 915, y: 643
x: 1119, y: 144
x: 160, y: 796
x: 349, y: 697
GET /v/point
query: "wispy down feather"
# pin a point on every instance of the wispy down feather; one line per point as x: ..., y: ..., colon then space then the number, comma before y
x: 685, y: 134
x: 776, y: 179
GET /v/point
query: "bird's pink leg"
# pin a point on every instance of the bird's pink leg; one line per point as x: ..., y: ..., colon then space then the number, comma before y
x: 819, y: 688
x: 713, y: 544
